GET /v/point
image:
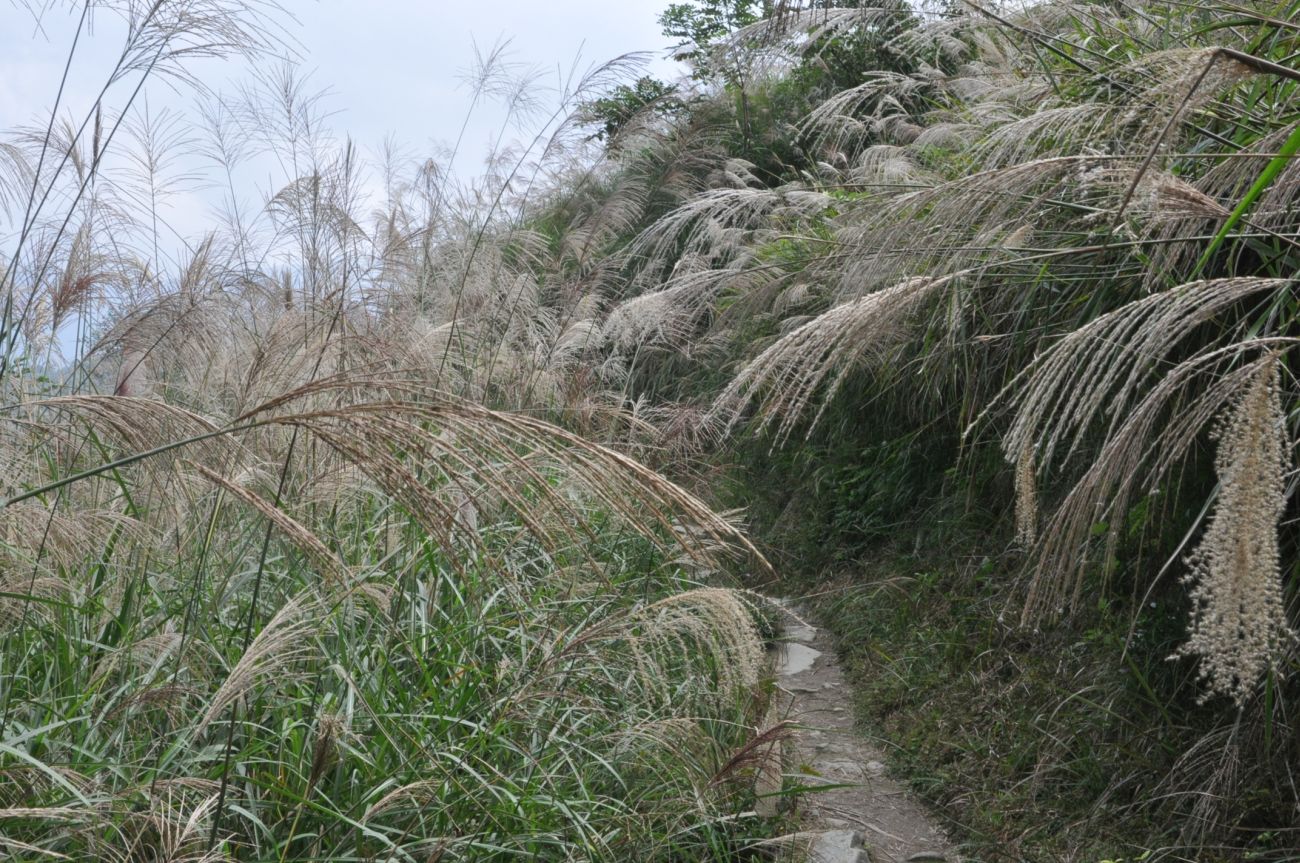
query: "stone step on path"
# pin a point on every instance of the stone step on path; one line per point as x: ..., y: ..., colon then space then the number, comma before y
x: 872, y: 818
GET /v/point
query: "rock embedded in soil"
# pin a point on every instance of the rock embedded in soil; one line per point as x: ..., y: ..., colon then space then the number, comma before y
x: 839, y: 846
x: 795, y: 659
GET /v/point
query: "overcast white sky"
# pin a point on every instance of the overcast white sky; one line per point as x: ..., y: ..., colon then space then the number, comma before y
x: 392, y: 65
x: 392, y: 68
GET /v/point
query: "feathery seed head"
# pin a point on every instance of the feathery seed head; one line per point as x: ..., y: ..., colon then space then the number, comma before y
x: 1238, y: 623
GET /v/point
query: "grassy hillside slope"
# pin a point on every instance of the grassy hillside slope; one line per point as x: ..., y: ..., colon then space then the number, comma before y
x: 376, y: 528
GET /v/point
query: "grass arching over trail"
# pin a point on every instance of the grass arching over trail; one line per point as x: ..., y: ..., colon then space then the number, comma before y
x: 349, y: 534
x: 400, y: 670
x: 295, y: 561
x: 992, y: 312
x: 1058, y: 742
x: 1071, y: 741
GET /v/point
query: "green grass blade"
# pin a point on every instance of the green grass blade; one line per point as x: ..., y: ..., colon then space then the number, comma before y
x: 1265, y: 179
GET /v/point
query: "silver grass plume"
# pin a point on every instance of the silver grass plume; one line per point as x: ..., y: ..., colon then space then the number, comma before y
x: 704, y: 622
x: 1026, y: 495
x: 285, y: 639
x: 787, y: 378
x: 1113, y: 376
x: 1238, y: 622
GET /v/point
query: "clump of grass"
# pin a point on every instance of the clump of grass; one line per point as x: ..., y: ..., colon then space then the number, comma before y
x: 1066, y: 235
x: 297, y: 562
x: 514, y: 705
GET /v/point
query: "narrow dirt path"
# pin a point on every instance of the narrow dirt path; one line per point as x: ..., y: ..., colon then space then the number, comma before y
x: 873, y: 819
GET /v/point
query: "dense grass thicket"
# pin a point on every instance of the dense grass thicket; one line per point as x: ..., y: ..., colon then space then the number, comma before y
x: 287, y: 571
x: 376, y: 527
x: 1014, y: 311
x: 1004, y: 295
